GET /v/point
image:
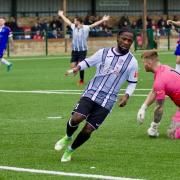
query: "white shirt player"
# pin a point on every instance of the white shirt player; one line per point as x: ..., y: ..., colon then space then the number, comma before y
x: 112, y: 71
x: 79, y: 37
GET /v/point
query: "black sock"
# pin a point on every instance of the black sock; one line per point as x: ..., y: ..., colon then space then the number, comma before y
x: 81, y: 73
x: 80, y: 139
x: 70, y: 129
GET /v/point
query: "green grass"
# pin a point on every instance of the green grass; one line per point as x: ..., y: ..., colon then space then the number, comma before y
x: 119, y: 148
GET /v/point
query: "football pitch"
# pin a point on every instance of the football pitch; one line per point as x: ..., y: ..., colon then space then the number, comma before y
x: 36, y: 100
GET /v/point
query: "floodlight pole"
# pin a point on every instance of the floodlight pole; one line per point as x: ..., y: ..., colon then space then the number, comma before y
x: 144, y: 23
x: 64, y: 27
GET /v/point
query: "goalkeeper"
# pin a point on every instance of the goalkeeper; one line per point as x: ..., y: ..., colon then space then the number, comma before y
x: 166, y: 82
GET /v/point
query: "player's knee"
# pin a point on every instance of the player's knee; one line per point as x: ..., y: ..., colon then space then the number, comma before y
x: 88, y: 129
x: 77, y: 118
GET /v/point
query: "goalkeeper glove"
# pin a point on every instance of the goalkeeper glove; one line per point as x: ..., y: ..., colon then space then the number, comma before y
x: 141, y: 114
x: 153, y: 130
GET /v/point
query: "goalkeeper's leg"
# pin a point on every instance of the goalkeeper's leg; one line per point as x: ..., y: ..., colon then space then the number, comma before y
x: 174, y: 130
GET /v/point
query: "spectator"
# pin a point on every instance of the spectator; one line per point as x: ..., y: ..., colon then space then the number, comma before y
x: 37, y: 36
x: 139, y: 23
x: 56, y: 22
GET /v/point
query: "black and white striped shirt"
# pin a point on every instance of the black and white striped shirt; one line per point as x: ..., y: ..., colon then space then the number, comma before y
x: 112, y: 71
x: 79, y: 37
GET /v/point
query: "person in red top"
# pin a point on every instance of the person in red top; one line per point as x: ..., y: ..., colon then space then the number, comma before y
x: 37, y: 36
x: 166, y: 83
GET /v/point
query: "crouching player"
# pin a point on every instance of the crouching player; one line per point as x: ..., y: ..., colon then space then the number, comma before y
x: 166, y: 83
x: 5, y: 34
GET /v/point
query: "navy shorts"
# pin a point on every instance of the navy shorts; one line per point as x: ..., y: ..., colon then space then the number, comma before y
x: 78, y: 56
x: 177, y: 51
x: 93, y: 112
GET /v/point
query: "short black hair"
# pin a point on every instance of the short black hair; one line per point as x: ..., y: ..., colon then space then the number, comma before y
x: 126, y: 29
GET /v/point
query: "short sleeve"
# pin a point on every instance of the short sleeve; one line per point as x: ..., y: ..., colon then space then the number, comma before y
x: 133, y: 73
x: 86, y: 27
x: 159, y: 89
x: 72, y: 26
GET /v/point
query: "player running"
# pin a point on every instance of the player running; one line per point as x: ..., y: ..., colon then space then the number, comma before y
x: 114, y: 66
x: 5, y: 34
x: 177, y: 51
x: 166, y: 82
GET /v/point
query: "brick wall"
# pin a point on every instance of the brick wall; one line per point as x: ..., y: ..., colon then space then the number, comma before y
x: 57, y: 46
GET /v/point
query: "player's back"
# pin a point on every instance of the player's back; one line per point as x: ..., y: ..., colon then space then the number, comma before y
x: 4, y: 35
x: 169, y: 79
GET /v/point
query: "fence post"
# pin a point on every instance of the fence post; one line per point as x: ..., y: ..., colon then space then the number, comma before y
x: 168, y: 33
x: 46, y: 43
x: 135, y: 42
x: 8, y: 50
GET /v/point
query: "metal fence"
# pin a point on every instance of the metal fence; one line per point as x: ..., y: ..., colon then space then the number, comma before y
x: 26, y: 45
x: 83, y: 7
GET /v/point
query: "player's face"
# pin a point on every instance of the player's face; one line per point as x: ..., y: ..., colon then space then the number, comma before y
x: 76, y: 22
x: 147, y: 65
x: 125, y: 41
x: 2, y: 22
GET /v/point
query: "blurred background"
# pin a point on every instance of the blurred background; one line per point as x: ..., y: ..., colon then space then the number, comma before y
x: 37, y: 21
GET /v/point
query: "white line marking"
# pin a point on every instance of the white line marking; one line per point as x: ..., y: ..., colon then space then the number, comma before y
x: 54, y: 117
x: 92, y: 167
x: 38, y: 171
x: 54, y: 92
x: 82, y: 90
x: 68, y: 57
x: 40, y: 58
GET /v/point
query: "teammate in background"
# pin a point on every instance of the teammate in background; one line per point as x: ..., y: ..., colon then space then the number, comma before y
x: 166, y: 82
x: 114, y: 66
x: 5, y: 34
x: 177, y: 51
x: 80, y: 35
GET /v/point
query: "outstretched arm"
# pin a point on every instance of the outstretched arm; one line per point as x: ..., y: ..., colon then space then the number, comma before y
x: 176, y: 23
x: 73, y: 70
x: 148, y: 101
x: 65, y: 19
x: 86, y: 63
x: 105, y: 18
